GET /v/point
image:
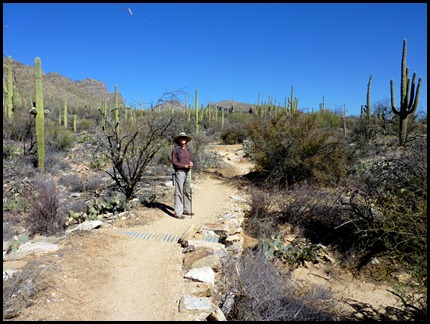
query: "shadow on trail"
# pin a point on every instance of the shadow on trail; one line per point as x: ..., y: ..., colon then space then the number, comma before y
x: 165, y: 208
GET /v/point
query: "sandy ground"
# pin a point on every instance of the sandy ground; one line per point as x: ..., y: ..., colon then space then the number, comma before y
x: 110, y: 275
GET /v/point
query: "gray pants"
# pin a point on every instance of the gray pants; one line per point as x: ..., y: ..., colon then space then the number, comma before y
x: 182, y: 199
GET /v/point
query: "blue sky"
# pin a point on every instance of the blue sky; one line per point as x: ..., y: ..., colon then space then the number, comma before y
x: 228, y: 51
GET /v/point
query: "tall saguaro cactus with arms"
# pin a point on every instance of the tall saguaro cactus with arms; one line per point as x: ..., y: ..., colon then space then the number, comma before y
x: 40, y: 116
x: 408, y: 98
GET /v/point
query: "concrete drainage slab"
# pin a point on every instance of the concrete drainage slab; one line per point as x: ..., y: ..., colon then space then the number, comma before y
x: 162, y: 237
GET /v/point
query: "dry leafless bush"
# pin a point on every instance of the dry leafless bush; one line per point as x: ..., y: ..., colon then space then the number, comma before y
x: 264, y: 214
x: 46, y: 216
x: 77, y: 184
x: 10, y: 225
x: 130, y: 147
x: 326, y: 217
x: 264, y: 294
x: 396, y: 185
x: 20, y: 291
x: 73, y: 182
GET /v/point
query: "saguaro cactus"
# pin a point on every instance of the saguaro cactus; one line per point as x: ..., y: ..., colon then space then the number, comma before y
x: 258, y: 108
x: 197, y: 110
x: 408, y: 99
x: 40, y: 116
x: 344, y: 119
x: 74, y: 123
x: 322, y: 104
x: 9, y: 89
x: 187, y: 109
x: 367, y: 106
x: 292, y: 102
x: 116, y: 109
x: 222, y: 118
x: 59, y: 117
x: 65, y: 113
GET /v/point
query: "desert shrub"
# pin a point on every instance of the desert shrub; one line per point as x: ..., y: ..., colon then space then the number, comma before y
x: 398, y: 187
x: 11, y: 149
x: 45, y: 217
x: 263, y: 216
x: 10, y: 225
x: 201, y: 158
x: 95, y: 182
x: 73, y: 181
x: 22, y: 125
x: 293, y: 149
x: 86, y: 125
x: 328, y: 120
x: 20, y: 290
x: 77, y: 184
x: 265, y: 294
x: 131, y: 147
x: 394, y: 183
x: 363, y: 131
x: 20, y: 166
x: 233, y: 135
x: 58, y: 138
x: 54, y: 160
x: 14, y: 204
x: 413, y: 308
x: 320, y: 217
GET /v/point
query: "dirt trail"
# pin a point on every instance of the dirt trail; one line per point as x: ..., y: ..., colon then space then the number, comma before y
x: 111, y: 275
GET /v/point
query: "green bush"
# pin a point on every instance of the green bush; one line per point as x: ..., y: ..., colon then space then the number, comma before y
x: 293, y: 149
x: 234, y: 134
x: 328, y: 120
x: 86, y: 125
x: 58, y: 138
x: 363, y: 131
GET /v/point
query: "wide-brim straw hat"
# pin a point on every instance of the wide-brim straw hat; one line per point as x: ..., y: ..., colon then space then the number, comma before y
x: 182, y: 135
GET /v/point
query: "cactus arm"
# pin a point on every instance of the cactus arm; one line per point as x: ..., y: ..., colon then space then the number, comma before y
x: 393, y: 100
x: 411, y: 99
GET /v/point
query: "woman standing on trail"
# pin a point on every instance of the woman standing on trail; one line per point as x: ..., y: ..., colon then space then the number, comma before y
x: 181, y: 161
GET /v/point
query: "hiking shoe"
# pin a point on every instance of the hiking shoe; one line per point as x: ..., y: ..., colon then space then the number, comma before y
x: 179, y: 217
x: 189, y: 214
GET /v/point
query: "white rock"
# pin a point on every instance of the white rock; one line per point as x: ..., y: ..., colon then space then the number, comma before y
x: 205, y: 274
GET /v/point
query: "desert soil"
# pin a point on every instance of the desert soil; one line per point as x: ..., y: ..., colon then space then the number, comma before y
x: 110, y: 275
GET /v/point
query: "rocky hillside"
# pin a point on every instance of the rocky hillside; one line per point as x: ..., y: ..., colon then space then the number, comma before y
x: 55, y: 88
x: 79, y: 93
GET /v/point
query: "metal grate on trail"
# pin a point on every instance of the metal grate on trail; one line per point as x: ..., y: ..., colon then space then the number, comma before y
x: 163, y: 237
x: 160, y: 237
